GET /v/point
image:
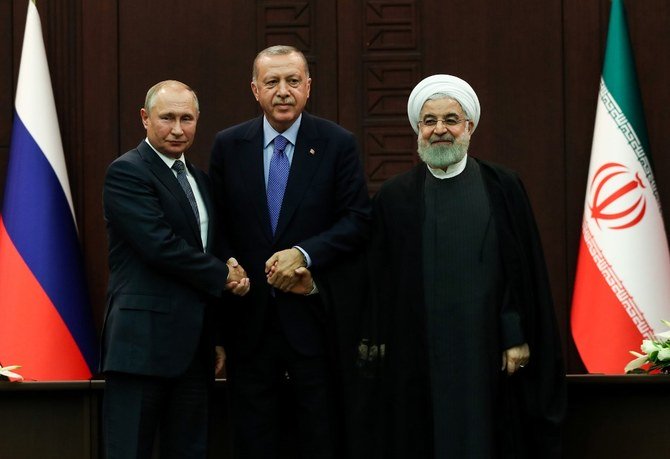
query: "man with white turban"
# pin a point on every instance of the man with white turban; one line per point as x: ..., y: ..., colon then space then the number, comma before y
x: 472, y: 361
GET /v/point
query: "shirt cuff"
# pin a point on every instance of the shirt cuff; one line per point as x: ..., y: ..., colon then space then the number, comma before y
x: 308, y: 260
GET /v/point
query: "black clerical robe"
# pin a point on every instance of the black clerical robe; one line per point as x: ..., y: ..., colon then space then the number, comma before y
x: 529, y: 406
x: 463, y: 291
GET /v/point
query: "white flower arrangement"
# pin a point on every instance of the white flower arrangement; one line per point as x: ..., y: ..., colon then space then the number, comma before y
x: 655, y: 356
x: 7, y: 373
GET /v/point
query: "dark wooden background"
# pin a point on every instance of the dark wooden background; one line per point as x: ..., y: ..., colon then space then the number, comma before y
x: 535, y: 66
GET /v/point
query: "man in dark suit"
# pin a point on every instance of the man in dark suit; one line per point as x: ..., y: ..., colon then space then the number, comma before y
x: 292, y: 194
x: 157, y: 350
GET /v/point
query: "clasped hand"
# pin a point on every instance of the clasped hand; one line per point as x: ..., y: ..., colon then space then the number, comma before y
x: 237, y: 281
x: 281, y: 267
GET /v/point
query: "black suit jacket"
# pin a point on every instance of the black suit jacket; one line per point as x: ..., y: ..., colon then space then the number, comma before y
x: 161, y: 281
x: 325, y: 210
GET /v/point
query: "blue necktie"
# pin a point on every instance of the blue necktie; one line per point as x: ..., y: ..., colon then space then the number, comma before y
x: 178, y: 166
x: 277, y: 178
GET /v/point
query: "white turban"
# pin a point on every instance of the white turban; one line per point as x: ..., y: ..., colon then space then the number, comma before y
x: 450, y: 85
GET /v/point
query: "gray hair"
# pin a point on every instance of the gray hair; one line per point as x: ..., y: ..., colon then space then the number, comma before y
x: 150, y: 99
x: 278, y: 50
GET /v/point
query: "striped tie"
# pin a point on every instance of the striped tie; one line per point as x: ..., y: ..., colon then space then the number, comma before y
x: 178, y: 166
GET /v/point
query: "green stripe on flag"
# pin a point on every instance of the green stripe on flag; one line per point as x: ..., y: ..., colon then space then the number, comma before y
x: 619, y: 73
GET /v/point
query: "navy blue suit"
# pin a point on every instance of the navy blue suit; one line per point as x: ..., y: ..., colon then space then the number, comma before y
x: 325, y: 211
x: 162, y: 286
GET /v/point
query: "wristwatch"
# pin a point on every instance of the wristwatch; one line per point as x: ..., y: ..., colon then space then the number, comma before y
x: 314, y: 290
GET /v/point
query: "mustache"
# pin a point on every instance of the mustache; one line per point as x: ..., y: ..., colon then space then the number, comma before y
x: 446, y: 136
x: 284, y: 101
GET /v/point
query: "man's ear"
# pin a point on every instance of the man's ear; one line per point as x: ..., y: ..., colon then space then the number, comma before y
x: 145, y: 117
x: 254, y: 90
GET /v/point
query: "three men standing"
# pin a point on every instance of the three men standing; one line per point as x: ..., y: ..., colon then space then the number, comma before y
x: 457, y: 272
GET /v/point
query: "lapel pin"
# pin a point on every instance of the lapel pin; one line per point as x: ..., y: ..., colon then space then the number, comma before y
x: 311, y: 151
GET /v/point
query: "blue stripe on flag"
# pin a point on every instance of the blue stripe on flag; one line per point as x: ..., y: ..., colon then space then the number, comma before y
x: 39, y: 222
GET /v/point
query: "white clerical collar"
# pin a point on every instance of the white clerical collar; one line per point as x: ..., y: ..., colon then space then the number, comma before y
x: 452, y: 171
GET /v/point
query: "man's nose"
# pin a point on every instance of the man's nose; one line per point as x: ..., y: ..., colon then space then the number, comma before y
x: 282, y: 88
x: 440, y: 127
x: 176, y: 128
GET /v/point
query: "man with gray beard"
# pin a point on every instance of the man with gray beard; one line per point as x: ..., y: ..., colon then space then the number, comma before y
x: 465, y: 326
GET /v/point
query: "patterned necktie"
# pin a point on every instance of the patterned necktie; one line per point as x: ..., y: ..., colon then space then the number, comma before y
x: 277, y: 178
x: 178, y: 166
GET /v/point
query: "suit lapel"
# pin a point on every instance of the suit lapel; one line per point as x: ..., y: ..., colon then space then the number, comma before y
x: 203, y: 186
x: 253, y: 175
x: 167, y: 178
x: 306, y: 160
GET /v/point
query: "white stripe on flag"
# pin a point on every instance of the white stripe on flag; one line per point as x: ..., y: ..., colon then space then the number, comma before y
x: 637, y: 254
x: 35, y: 101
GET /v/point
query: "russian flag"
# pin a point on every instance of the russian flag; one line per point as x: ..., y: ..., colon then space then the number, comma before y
x: 45, y: 315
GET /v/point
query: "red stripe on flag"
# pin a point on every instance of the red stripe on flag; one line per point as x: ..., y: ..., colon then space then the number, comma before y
x: 602, y: 329
x: 32, y: 333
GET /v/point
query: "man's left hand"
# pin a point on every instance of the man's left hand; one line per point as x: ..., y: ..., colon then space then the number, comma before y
x: 280, y: 268
x: 515, y: 358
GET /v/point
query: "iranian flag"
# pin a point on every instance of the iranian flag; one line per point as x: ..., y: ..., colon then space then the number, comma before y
x: 622, y: 284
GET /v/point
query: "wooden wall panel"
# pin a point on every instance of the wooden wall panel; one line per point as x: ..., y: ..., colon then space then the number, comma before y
x: 218, y: 63
x: 535, y: 67
x: 210, y: 48
x: 61, y: 22
x: 309, y: 26
x: 496, y: 48
x: 100, y: 136
x: 349, y: 43
x: 7, y: 75
x: 6, y: 86
x: 391, y: 65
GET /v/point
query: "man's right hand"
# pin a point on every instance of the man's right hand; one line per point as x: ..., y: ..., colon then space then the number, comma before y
x: 305, y: 284
x: 237, y: 281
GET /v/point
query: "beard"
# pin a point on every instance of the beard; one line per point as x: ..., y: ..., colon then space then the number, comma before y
x: 442, y: 156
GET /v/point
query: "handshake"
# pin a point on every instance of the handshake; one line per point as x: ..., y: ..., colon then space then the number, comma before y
x: 237, y: 282
x: 285, y: 271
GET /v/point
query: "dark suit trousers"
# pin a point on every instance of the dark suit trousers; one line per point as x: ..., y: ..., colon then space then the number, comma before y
x: 264, y: 423
x: 136, y: 406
